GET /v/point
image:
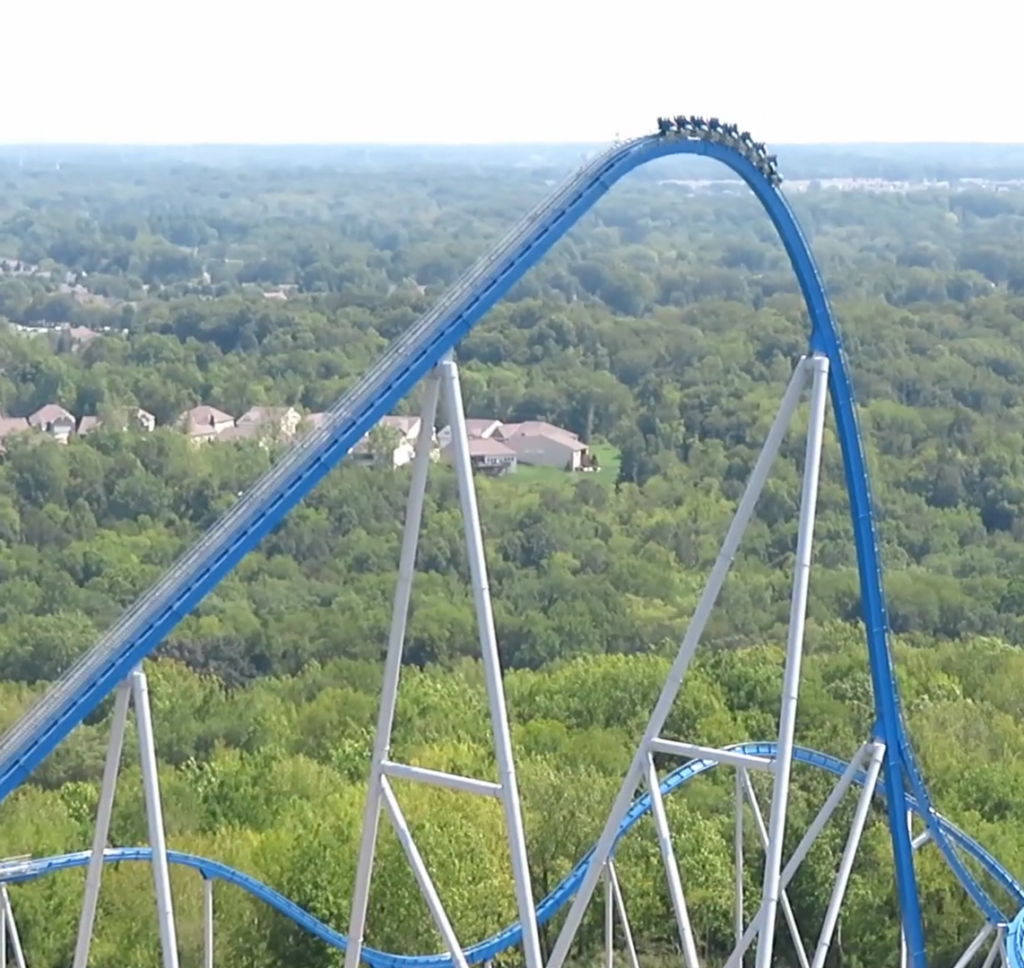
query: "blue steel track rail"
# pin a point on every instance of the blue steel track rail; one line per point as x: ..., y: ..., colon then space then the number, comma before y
x: 403, y: 365
x: 31, y: 870
x: 1015, y: 941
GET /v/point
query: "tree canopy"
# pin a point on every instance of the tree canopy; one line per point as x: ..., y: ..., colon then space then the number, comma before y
x: 662, y: 331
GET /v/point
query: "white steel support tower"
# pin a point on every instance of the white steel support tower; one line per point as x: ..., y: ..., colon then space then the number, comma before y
x: 444, y: 379
x: 642, y: 769
x: 642, y: 775
x: 135, y: 691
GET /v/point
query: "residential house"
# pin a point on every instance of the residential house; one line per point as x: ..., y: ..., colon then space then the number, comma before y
x: 407, y: 426
x: 476, y: 429
x: 54, y: 420
x: 16, y: 267
x: 486, y: 456
x: 9, y: 426
x: 542, y: 444
x: 247, y: 431
x: 134, y: 418
x: 266, y: 425
x: 143, y: 419
x: 392, y: 442
x: 203, y: 423
x: 74, y: 337
x: 280, y: 421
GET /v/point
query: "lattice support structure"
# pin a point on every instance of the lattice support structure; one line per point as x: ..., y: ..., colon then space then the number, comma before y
x: 985, y: 950
x: 136, y: 693
x: 642, y: 770
x: 865, y: 766
x: 443, y: 380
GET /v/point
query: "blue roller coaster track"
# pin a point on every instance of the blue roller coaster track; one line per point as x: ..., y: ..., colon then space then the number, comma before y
x: 403, y: 365
x: 510, y: 937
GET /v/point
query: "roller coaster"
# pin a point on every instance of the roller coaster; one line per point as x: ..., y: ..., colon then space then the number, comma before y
x: 884, y: 767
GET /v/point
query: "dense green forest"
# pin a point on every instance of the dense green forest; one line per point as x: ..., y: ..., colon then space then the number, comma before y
x: 662, y: 331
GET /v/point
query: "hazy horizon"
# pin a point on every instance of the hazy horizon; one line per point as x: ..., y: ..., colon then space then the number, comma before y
x: 420, y: 145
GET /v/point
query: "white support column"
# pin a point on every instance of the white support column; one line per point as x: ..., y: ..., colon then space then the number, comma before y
x: 492, y: 667
x: 668, y: 856
x: 207, y: 922
x: 996, y: 949
x: 620, y: 904
x: 155, y: 818
x: 916, y: 843
x: 738, y: 856
x: 104, y: 809
x: 392, y: 671
x: 444, y: 379
x: 3, y: 936
x: 860, y: 816
x: 804, y: 847
x: 609, y: 918
x: 787, y: 908
x: 13, y: 938
x: 663, y: 707
x: 794, y: 654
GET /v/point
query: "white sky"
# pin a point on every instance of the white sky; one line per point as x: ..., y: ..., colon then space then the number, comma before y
x: 253, y: 71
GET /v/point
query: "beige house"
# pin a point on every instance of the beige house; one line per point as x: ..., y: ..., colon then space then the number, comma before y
x: 283, y: 421
x: 477, y: 428
x: 54, y: 420
x: 80, y: 336
x: 534, y: 442
x: 266, y: 434
x: 135, y: 418
x: 246, y: 431
x: 392, y: 443
x: 9, y: 426
x: 204, y: 423
x: 542, y: 444
x: 486, y: 456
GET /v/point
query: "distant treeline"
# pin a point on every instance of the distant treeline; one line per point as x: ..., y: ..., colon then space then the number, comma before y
x: 896, y: 162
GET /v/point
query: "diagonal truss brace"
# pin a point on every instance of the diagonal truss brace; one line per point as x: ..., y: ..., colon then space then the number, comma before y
x: 867, y: 760
x: 9, y: 937
x: 136, y: 691
x: 444, y: 378
x: 873, y: 753
x: 816, y: 368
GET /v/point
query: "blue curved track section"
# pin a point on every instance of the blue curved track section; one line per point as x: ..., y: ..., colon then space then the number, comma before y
x: 511, y: 936
x: 403, y: 365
